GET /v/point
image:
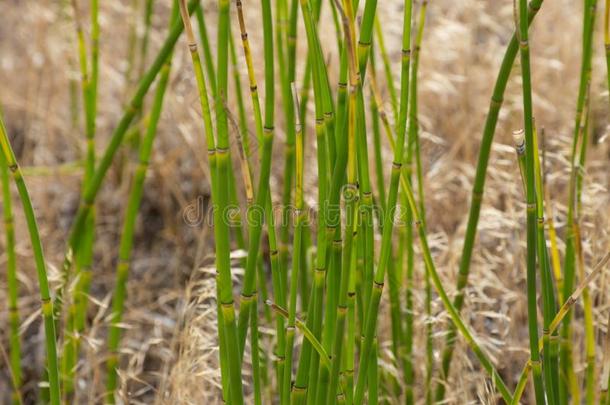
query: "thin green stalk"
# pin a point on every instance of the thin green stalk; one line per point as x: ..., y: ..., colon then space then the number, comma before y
x: 530, y: 176
x: 221, y: 229
x: 414, y: 137
x: 398, y: 337
x: 287, y: 72
x: 148, y: 12
x: 13, y: 285
x: 9, y: 160
x: 590, y: 382
x: 578, y: 135
x: 387, y: 67
x: 477, y: 192
x: 129, y: 225
x: 388, y: 220
x: 350, y: 196
x: 550, y: 356
x: 77, y: 312
x: 208, y: 60
x: 262, y: 197
x: 324, y: 132
x: 219, y: 157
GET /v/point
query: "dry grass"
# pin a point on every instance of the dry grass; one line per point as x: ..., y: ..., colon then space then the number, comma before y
x: 170, y: 318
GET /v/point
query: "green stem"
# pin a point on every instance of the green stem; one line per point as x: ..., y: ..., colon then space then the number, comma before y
x: 9, y: 160
x: 13, y: 285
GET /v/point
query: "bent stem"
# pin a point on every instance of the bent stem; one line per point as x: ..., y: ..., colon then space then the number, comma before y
x: 12, y: 283
x: 9, y: 160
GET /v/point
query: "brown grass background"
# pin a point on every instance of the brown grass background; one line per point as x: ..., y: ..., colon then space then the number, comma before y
x: 169, y: 343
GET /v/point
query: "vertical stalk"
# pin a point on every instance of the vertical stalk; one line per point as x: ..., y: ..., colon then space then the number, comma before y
x: 129, y: 224
x: 78, y: 310
x: 219, y: 154
x: 262, y: 195
x: 414, y: 138
x: 223, y: 261
x: 350, y: 195
x: 12, y: 283
x: 388, y: 220
x: 530, y: 177
x: 578, y: 136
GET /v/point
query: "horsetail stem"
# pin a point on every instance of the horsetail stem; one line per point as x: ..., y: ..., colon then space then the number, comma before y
x: 12, y: 283
x: 532, y: 206
x: 388, y: 221
x: 128, y: 231
x: 78, y: 309
x: 415, y: 141
x: 9, y: 160
x: 266, y: 142
x: 218, y: 151
x: 573, y: 200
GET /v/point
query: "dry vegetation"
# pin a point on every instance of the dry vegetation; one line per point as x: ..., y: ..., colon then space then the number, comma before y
x: 169, y: 346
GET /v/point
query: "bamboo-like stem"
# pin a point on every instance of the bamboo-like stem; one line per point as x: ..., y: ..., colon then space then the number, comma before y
x: 324, y: 116
x: 530, y: 176
x: 208, y: 60
x: 588, y: 322
x: 128, y: 231
x: 414, y: 138
x: 90, y: 193
x: 285, y: 390
x: 477, y: 191
x: 286, y: 43
x: 276, y: 265
x: 400, y: 343
x: 147, y: 17
x: 9, y: 160
x: 387, y: 68
x: 78, y: 309
x: 578, y: 135
x: 12, y: 283
x: 219, y: 161
x: 221, y: 231
x: 266, y: 138
x: 550, y: 356
x: 350, y: 195
x: 388, y: 220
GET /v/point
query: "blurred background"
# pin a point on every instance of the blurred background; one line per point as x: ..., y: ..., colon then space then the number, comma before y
x: 169, y: 343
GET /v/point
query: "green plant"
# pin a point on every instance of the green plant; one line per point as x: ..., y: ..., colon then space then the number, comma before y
x: 9, y: 161
x: 12, y: 282
x: 129, y: 225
